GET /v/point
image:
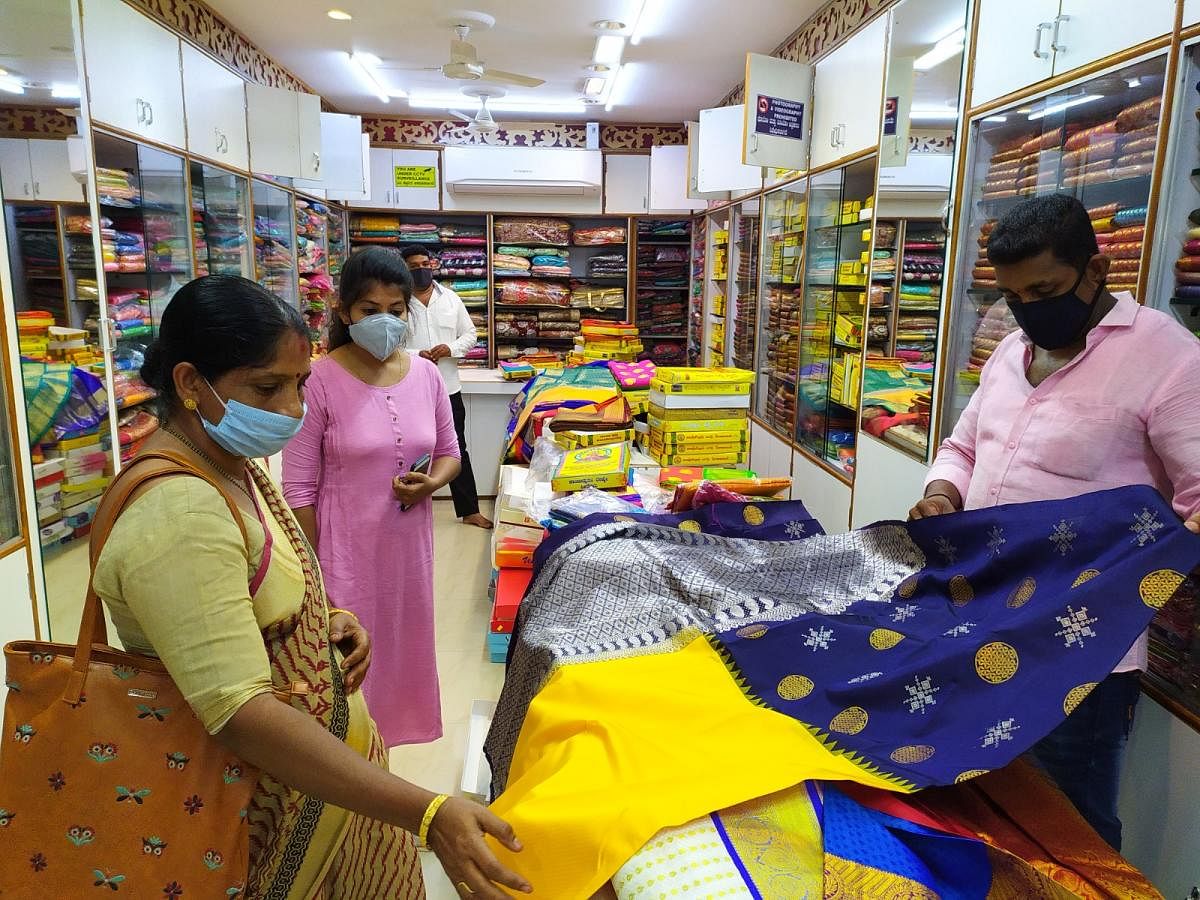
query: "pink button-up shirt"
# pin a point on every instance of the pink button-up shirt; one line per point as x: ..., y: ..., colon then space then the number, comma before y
x: 1125, y: 411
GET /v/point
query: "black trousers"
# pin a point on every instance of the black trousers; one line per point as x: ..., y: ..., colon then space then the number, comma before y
x: 462, y: 488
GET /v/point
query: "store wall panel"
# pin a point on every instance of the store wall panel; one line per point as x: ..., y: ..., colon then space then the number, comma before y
x: 826, y: 496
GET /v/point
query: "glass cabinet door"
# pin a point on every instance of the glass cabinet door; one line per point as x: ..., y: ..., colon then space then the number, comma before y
x: 781, y: 295
x: 696, y: 288
x: 743, y: 299
x: 220, y: 217
x: 1095, y: 141
x: 315, y: 285
x: 339, y: 245
x: 816, y: 319
x: 275, y: 241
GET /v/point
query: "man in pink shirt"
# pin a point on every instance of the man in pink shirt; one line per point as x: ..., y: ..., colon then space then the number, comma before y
x: 1093, y: 392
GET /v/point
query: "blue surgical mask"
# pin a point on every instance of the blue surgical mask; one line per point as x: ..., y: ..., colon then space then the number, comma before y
x: 249, y: 431
x: 380, y: 335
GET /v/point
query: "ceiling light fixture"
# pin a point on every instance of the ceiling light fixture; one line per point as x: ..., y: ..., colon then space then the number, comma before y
x: 1060, y: 107
x: 609, y: 49
x: 933, y: 114
x: 11, y: 86
x: 64, y: 91
x: 593, y: 86
x: 366, y: 64
x: 947, y: 48
x: 1133, y: 82
x: 598, y: 68
x: 996, y: 119
x: 609, y: 25
x: 454, y: 101
x: 339, y: 15
x: 639, y: 24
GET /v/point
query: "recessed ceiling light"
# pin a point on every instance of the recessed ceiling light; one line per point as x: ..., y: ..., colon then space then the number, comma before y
x: 609, y: 48
x: 598, y: 68
x: 339, y: 15
x: 609, y: 25
x: 593, y: 86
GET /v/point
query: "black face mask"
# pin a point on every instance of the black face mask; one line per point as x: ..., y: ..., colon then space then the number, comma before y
x: 1055, y: 322
x: 422, y: 278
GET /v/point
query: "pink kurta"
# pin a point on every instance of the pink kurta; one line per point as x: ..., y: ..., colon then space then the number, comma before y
x: 377, y: 561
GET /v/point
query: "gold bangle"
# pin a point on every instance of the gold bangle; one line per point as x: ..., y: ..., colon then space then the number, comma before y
x: 427, y: 819
x: 333, y: 611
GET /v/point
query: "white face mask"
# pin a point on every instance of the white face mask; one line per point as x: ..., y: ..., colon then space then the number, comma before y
x: 381, y: 335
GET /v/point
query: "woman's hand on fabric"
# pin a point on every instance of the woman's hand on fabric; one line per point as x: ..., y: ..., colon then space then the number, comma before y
x: 412, y: 488
x: 456, y: 836
x: 928, y: 507
x: 348, y: 635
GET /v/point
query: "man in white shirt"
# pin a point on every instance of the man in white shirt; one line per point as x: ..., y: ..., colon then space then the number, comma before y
x: 440, y: 328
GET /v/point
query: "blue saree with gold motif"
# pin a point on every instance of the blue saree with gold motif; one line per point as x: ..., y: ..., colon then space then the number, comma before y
x: 666, y: 671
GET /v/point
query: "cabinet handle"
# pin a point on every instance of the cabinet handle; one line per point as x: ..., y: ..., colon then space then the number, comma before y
x: 25, y: 190
x: 1038, y: 52
x: 37, y: 189
x: 149, y: 114
x: 141, y: 110
x: 1054, y: 44
x: 317, y: 163
x: 833, y: 136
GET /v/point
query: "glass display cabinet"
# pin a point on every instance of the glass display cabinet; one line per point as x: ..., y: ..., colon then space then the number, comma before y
x: 837, y: 258
x: 716, y: 287
x: 780, y: 294
x: 743, y: 296
x: 220, y: 222
x: 275, y: 241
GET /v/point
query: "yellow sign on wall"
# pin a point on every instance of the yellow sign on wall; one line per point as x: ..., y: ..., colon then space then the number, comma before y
x: 415, y: 176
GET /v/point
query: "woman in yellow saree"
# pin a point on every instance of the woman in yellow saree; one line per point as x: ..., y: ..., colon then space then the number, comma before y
x: 238, y: 621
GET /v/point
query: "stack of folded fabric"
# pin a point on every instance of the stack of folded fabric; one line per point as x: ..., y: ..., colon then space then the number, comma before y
x: 472, y: 292
x: 419, y: 233
x: 601, y: 339
x: 699, y: 417
x: 1004, y: 169
x: 1120, y: 234
x: 34, y: 216
x: 463, y: 262
x: 665, y: 353
x: 551, y: 264
x: 116, y: 187
x: 166, y: 246
x: 608, y: 265
x: 983, y: 275
x: 310, y: 255
x: 524, y: 292
x: 1035, y: 178
x: 462, y: 235
x: 536, y: 232
x: 596, y: 237
x: 660, y: 229
x: 1088, y: 154
x: 130, y: 312
x: 597, y: 299
x: 1137, y: 130
x: 39, y: 251
x: 371, y: 228
x: 506, y: 265
x: 660, y: 313
x: 558, y: 324
x: 131, y: 252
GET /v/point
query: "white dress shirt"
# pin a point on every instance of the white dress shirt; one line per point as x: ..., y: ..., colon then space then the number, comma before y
x: 444, y: 321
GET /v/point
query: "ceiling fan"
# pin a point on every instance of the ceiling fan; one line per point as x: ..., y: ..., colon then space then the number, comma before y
x: 483, y: 122
x: 465, y: 65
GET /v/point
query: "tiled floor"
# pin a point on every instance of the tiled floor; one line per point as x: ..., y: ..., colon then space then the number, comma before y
x: 460, y: 588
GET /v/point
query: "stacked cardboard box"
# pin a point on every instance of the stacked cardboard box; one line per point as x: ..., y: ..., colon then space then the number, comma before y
x: 602, y: 340
x: 700, y: 417
x: 514, y: 540
x: 85, y: 472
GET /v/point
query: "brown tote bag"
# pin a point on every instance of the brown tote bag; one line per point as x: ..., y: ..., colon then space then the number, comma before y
x: 109, y: 783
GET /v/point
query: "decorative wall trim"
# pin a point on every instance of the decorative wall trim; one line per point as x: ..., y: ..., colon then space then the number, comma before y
x: 35, y: 122
x: 196, y: 21
x: 938, y: 142
x: 829, y: 26
x: 387, y: 130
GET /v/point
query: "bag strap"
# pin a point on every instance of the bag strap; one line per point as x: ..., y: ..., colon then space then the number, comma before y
x: 93, y: 631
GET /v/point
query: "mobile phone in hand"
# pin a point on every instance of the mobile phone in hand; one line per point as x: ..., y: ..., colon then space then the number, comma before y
x: 422, y: 465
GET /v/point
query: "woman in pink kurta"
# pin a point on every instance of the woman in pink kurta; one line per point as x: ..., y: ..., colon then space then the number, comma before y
x: 373, y: 412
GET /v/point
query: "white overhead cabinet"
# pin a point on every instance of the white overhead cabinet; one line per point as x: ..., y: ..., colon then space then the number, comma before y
x: 361, y: 197
x: 37, y: 170
x: 669, y: 181
x: 1191, y: 13
x: 848, y: 96
x: 693, y: 169
x: 342, y: 167
x: 215, y: 102
x: 285, y: 132
x: 404, y: 179
x: 1061, y: 35
x: 626, y: 184
x: 778, y: 112
x: 720, y: 166
x: 135, y: 83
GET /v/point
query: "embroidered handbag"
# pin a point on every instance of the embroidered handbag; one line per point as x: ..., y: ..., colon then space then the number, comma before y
x: 108, y: 780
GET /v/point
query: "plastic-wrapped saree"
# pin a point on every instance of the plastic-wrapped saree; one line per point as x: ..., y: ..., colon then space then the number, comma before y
x: 668, y: 668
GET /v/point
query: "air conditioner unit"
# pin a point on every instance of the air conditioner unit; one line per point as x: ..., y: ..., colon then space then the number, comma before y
x: 523, y: 170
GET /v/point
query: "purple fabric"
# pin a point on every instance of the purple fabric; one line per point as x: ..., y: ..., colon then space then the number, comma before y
x: 377, y: 561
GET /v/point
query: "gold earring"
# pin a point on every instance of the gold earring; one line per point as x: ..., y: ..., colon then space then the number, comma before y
x: 189, y: 404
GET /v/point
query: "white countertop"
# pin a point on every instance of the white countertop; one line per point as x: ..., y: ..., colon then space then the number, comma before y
x: 487, y: 381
